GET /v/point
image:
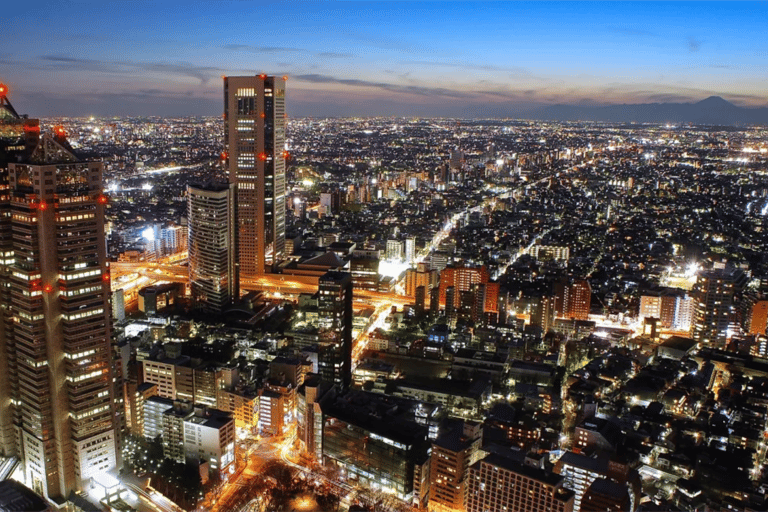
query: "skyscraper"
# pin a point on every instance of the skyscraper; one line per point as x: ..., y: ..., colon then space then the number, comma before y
x: 210, y: 214
x: 254, y: 113
x: 334, y: 306
x: 18, y: 136
x: 61, y: 370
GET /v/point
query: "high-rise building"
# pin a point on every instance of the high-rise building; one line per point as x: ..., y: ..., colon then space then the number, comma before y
x: 410, y: 250
x: 715, y: 296
x: 462, y: 278
x: 572, y: 300
x: 394, y: 250
x: 420, y: 276
x: 452, y: 454
x: 210, y: 214
x: 334, y: 305
x: 254, y: 113
x: 18, y: 137
x: 60, y: 357
x: 364, y: 266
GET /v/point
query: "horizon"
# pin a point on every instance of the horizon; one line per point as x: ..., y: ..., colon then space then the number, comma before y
x: 494, y: 60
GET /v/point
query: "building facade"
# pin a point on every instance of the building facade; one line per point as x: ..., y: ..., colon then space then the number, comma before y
x: 61, y: 357
x: 254, y: 114
x: 715, y: 295
x: 334, y: 306
x: 497, y: 484
x: 211, y: 215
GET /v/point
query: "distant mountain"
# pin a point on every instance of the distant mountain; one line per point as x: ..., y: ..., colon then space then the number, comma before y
x: 713, y: 110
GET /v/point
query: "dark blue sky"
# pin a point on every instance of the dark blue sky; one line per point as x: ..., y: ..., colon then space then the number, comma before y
x: 391, y: 58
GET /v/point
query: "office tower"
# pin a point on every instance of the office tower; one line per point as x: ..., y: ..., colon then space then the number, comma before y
x: 715, y: 296
x: 364, y: 266
x: 254, y: 114
x: 334, y: 305
x: 62, y: 365
x: 18, y: 137
x: 210, y: 217
x: 497, y: 483
x: 376, y: 439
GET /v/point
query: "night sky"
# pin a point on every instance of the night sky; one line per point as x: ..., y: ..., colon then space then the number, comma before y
x: 394, y: 58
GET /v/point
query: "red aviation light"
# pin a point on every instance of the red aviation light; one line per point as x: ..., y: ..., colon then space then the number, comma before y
x: 263, y: 76
x: 42, y: 205
x: 262, y: 156
x: 262, y: 115
x: 48, y: 288
x: 286, y: 155
x: 3, y: 90
x: 59, y: 131
x: 102, y: 199
x: 105, y: 277
x: 224, y: 155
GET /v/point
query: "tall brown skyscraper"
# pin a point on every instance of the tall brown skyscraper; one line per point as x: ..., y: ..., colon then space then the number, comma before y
x: 57, y: 347
x: 254, y: 112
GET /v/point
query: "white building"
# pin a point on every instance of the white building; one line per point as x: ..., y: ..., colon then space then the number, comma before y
x: 410, y: 250
x: 154, y: 408
x: 394, y: 250
x: 162, y: 373
x: 209, y: 436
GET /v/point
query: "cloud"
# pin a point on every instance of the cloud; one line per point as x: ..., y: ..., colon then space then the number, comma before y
x: 670, y: 98
x: 407, y: 89
x: 263, y: 49
x: 515, y: 72
x: 185, y: 69
x: 202, y: 73
x: 65, y: 62
x: 694, y: 45
x: 334, y: 55
x: 143, y: 102
x: 462, y: 65
x: 631, y: 31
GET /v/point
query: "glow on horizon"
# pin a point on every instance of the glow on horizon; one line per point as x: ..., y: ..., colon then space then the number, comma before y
x: 381, y: 58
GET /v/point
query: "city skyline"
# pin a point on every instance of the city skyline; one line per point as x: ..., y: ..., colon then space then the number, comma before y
x: 423, y: 59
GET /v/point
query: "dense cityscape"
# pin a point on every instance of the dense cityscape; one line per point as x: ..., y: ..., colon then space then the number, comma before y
x: 444, y: 314
x: 383, y: 256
